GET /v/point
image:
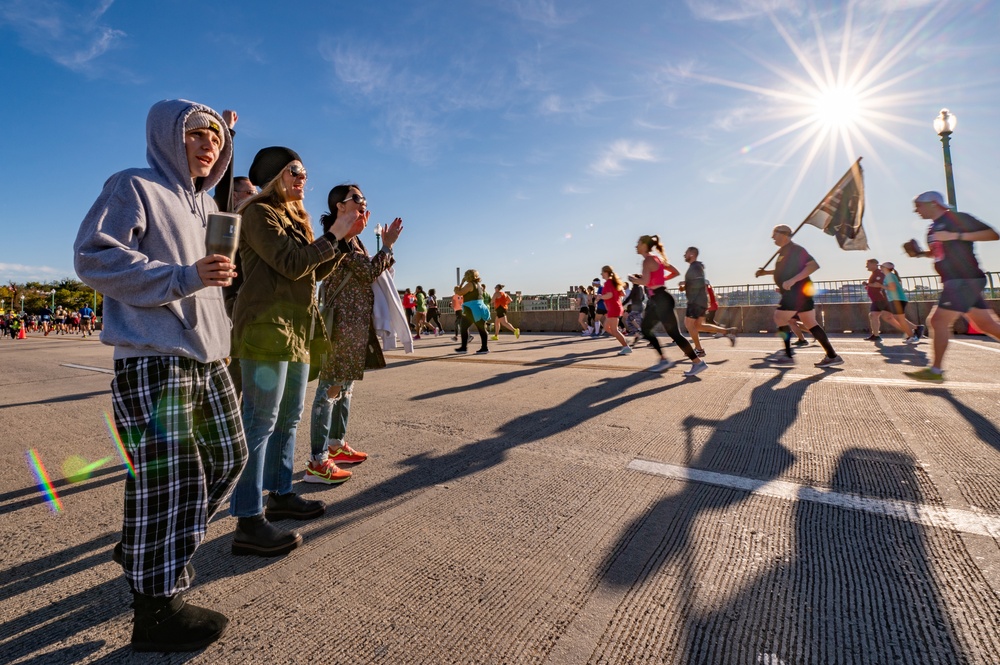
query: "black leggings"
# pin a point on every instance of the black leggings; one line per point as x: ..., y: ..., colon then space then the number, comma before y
x: 660, y: 309
x: 432, y: 317
x: 467, y: 323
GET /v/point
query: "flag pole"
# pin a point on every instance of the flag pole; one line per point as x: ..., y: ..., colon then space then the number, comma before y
x: 853, y: 167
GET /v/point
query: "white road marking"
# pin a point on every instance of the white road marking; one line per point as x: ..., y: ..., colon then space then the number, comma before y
x: 980, y: 524
x: 92, y: 369
x: 976, y: 346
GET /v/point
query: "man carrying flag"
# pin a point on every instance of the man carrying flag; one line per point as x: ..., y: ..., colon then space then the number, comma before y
x: 791, y: 274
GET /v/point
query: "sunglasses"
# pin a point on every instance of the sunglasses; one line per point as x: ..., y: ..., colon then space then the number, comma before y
x: 298, y: 171
x: 357, y: 198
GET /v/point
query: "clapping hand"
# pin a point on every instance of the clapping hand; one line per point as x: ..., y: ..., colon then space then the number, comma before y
x: 391, y: 233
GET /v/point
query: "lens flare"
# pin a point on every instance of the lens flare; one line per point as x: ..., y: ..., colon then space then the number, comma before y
x: 113, y: 431
x: 77, y: 469
x: 43, y: 481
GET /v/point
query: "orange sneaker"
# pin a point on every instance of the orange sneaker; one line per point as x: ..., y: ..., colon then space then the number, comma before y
x: 346, y: 455
x: 326, y: 472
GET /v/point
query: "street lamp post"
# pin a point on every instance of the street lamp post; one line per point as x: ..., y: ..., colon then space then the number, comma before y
x: 22, y: 305
x: 378, y: 237
x: 53, y: 294
x: 944, y: 125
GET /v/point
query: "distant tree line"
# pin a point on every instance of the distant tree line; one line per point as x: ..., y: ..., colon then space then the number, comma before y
x: 70, y: 293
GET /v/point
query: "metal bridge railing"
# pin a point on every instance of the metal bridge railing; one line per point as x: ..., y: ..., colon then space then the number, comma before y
x: 922, y: 288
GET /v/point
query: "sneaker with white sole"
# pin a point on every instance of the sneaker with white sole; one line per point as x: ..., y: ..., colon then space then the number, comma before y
x: 697, y: 368
x: 830, y: 362
x: 731, y: 336
x: 662, y: 366
x: 911, y: 340
x: 625, y: 350
x: 326, y: 472
x: 700, y: 353
x: 926, y: 374
x: 781, y: 359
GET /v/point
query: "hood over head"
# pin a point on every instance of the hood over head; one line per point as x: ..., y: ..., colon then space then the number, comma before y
x: 165, y: 148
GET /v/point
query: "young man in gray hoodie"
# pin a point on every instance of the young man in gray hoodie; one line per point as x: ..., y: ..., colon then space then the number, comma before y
x: 143, y: 246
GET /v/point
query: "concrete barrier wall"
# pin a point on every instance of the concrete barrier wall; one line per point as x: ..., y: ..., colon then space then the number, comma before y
x: 839, y: 317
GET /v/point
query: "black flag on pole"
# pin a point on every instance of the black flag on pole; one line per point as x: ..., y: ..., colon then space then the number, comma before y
x: 841, y: 211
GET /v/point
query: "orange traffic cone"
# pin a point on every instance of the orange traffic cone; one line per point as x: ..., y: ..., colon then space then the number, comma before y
x: 20, y: 334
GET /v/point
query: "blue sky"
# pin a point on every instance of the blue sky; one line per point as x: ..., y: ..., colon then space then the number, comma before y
x: 534, y: 140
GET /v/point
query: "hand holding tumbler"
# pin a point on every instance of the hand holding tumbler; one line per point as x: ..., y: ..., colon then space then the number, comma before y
x: 223, y: 234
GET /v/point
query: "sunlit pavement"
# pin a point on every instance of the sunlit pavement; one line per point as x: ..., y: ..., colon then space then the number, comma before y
x: 553, y: 502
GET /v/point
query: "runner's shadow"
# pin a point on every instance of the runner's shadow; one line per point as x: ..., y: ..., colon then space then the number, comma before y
x: 906, y: 355
x: 425, y: 470
x: 985, y: 430
x: 532, y: 368
x: 747, y: 444
x: 855, y: 584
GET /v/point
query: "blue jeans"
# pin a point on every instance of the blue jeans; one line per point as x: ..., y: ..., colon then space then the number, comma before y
x: 329, y: 416
x: 274, y: 393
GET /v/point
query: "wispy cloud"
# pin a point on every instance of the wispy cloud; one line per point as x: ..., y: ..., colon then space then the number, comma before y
x: 416, y: 107
x: 612, y: 160
x: 20, y: 273
x: 72, y: 37
x: 543, y: 12
x: 738, y: 10
x: 578, y: 106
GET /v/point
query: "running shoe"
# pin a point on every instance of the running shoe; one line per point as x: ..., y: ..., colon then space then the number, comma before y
x: 926, y: 374
x: 920, y: 331
x: 344, y: 454
x: 495, y: 338
x: 700, y: 353
x: 731, y: 336
x: 781, y: 359
x: 873, y: 338
x: 325, y: 472
x: 718, y: 335
x: 462, y: 349
x: 800, y: 342
x: 697, y: 368
x: 662, y: 366
x: 625, y: 350
x: 416, y: 337
x: 517, y: 333
x: 483, y: 351
x: 830, y: 362
x: 911, y: 340
x: 454, y: 338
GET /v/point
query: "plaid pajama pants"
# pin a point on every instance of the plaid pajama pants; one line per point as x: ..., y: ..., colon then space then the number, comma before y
x: 179, y: 420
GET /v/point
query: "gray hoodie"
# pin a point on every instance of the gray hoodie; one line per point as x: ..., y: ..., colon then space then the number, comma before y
x: 140, y: 240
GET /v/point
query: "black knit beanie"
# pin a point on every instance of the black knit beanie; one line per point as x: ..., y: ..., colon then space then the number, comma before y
x: 268, y: 162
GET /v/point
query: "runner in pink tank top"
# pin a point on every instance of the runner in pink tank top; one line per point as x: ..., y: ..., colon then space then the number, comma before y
x: 656, y: 270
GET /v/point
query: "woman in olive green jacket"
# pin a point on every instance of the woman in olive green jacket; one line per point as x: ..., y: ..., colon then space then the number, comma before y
x: 281, y: 262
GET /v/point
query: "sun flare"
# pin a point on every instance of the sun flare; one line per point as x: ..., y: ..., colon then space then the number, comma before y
x: 846, y: 96
x: 838, y: 108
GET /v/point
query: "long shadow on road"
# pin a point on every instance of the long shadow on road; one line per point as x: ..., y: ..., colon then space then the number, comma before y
x: 858, y: 588
x: 424, y: 471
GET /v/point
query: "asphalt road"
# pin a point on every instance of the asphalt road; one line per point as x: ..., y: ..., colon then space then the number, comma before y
x: 552, y: 502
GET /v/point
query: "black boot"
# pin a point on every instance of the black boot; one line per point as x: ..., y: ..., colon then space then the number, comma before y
x: 170, y: 624
x: 119, y: 557
x: 292, y: 506
x: 255, y: 535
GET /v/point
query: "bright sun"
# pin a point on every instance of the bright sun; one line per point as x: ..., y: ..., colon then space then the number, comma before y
x: 838, y: 108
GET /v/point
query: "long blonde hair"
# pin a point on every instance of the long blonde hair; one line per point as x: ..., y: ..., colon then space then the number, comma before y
x: 653, y: 242
x: 275, y: 195
x: 613, y: 278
